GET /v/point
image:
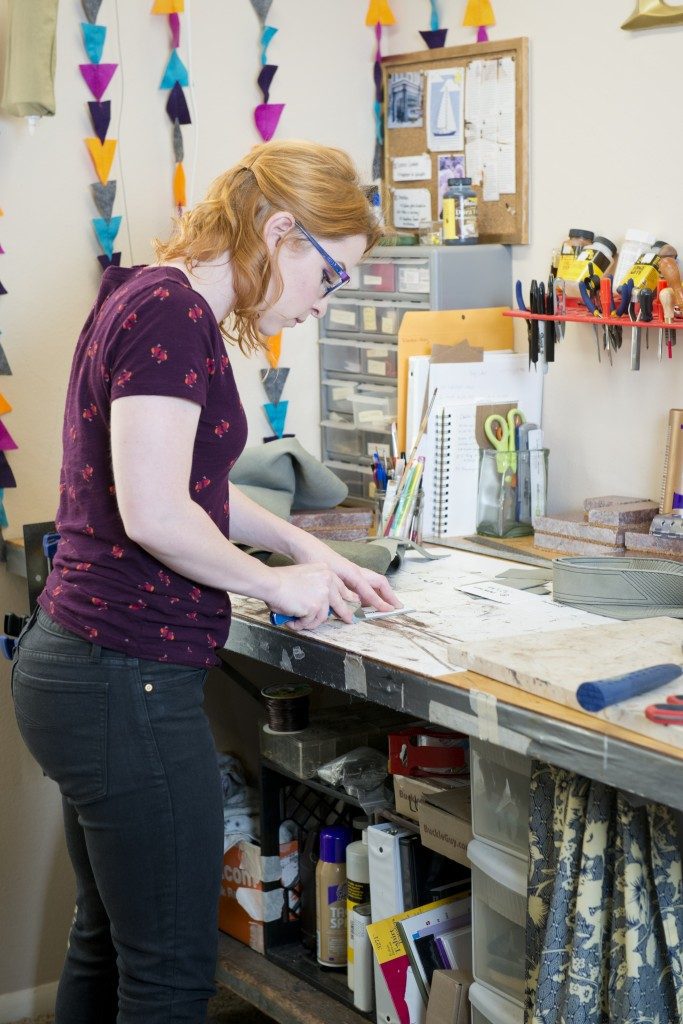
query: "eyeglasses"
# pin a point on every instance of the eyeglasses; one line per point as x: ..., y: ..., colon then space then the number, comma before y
x: 338, y: 277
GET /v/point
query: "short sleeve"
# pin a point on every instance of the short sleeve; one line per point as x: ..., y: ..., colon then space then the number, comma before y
x: 164, y: 343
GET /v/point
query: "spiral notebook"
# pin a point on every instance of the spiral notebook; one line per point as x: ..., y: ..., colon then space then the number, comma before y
x: 450, y: 489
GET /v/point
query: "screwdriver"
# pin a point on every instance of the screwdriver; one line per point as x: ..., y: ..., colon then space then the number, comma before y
x: 666, y: 297
x: 645, y: 299
x: 606, y: 307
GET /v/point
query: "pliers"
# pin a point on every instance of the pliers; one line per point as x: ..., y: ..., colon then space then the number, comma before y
x: 585, y: 292
x: 670, y: 713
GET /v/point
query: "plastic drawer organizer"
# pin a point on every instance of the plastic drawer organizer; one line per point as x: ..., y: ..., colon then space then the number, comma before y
x: 359, y: 339
x: 500, y: 797
x: 489, y: 1008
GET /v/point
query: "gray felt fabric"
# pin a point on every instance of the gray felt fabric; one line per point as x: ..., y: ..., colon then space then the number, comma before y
x: 283, y: 477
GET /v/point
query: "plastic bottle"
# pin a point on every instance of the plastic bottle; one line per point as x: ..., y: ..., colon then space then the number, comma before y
x: 595, y: 258
x: 357, y: 889
x: 330, y: 887
x: 460, y: 206
x: 570, y: 249
x: 645, y: 271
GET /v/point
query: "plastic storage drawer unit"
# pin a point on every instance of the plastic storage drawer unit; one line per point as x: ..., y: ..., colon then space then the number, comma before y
x: 342, y: 316
x: 379, y: 360
x: 500, y: 796
x: 413, y: 277
x: 345, y: 441
x: 341, y: 355
x: 374, y: 407
x: 378, y: 277
x: 338, y: 396
x: 499, y: 886
x: 358, y: 479
x: 491, y: 1008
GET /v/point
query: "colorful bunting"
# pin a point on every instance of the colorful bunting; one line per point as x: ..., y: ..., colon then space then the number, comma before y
x: 273, y: 346
x: 5, y: 370
x: 7, y: 442
x: 4, y: 406
x: 109, y: 261
x: 6, y: 474
x: 479, y: 13
x: 379, y: 14
x: 97, y: 77
x: 276, y: 416
x: 175, y: 78
x: 262, y: 7
x: 266, y: 115
x: 266, y: 119
x: 273, y: 381
x: 434, y: 37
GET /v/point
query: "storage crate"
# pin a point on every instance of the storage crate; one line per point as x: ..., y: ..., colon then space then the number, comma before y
x: 500, y: 796
x: 491, y: 1008
x: 499, y: 886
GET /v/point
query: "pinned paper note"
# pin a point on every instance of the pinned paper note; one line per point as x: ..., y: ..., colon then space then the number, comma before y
x: 412, y: 206
x: 175, y: 72
x: 91, y: 9
x: 412, y: 168
x: 100, y: 115
x: 97, y: 77
x: 273, y: 347
x: 93, y: 41
x: 106, y: 231
x: 103, y: 196
x: 102, y: 154
x: 176, y: 106
x: 267, y: 117
x: 276, y: 417
x: 273, y: 381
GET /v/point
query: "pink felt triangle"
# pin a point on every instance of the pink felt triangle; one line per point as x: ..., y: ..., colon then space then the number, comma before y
x: 267, y: 117
x: 97, y: 77
x: 7, y: 442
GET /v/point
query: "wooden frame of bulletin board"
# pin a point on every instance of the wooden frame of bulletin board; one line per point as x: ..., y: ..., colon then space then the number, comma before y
x: 505, y: 219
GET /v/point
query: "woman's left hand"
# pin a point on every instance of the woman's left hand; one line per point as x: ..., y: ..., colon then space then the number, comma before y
x: 372, y: 589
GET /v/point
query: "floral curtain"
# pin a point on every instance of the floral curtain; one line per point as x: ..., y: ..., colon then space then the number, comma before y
x: 605, y: 906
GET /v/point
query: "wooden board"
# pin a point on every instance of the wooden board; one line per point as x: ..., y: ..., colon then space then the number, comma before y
x: 554, y: 664
x: 505, y: 219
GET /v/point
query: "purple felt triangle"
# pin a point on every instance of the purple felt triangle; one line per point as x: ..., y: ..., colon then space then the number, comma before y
x: 377, y: 75
x: 436, y: 38
x: 109, y: 261
x: 174, y: 25
x: 482, y: 34
x: 2, y: 251
x: 97, y: 77
x: 3, y: 290
x: 267, y: 117
x: 100, y: 115
x: 176, y: 107
x: 265, y: 78
x: 6, y: 474
x: 7, y: 442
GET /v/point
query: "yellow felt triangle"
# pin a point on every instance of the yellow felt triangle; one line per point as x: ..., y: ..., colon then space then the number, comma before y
x: 4, y: 405
x: 479, y: 12
x: 102, y: 155
x: 168, y: 7
x: 274, y: 345
x: 179, y: 186
x: 380, y: 11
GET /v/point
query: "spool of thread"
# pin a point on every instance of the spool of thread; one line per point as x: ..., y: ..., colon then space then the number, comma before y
x: 363, y: 977
x: 286, y: 707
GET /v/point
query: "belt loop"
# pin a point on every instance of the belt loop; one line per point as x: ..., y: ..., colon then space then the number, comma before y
x: 95, y: 652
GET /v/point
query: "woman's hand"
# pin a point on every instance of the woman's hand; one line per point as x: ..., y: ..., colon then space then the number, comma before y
x: 367, y: 588
x: 307, y: 592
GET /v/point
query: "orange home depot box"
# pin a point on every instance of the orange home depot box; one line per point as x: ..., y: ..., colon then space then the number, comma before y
x: 257, y: 889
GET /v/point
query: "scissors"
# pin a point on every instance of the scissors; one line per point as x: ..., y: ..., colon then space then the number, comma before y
x: 503, y: 433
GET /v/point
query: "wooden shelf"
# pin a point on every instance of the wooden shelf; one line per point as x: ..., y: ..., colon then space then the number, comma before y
x: 274, y: 991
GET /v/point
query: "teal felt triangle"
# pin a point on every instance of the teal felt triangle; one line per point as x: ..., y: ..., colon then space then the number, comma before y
x: 3, y: 515
x: 175, y: 72
x: 266, y: 36
x: 93, y: 41
x: 273, y: 381
x: 276, y: 416
x: 106, y: 231
x: 104, y: 197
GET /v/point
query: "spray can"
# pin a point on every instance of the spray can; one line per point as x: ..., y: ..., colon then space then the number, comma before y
x: 357, y: 891
x: 330, y: 886
x: 460, y: 206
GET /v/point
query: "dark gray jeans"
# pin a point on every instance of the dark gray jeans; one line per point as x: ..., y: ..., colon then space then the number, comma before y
x: 130, y: 747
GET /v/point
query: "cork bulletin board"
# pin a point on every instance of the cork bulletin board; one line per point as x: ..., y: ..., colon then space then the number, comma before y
x: 502, y: 213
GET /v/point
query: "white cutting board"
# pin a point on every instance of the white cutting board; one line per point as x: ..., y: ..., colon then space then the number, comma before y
x: 553, y: 664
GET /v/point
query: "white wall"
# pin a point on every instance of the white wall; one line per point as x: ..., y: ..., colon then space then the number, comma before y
x: 604, y: 154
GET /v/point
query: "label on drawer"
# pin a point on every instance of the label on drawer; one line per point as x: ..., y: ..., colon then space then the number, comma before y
x: 369, y: 318
x: 383, y: 450
x: 370, y: 416
x: 388, y: 322
x: 377, y: 368
x: 342, y: 316
x: 413, y: 279
x: 372, y: 279
x: 340, y: 394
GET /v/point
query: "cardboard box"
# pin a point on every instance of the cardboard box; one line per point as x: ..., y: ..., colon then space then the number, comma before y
x: 448, y: 1001
x: 446, y: 823
x: 251, y: 893
x: 410, y: 791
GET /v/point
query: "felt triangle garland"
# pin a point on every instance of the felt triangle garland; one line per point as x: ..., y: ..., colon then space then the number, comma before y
x: 379, y: 13
x: 276, y: 416
x: 6, y: 475
x: 176, y: 106
x: 97, y: 77
x: 103, y: 196
x: 436, y: 38
x: 91, y: 9
x: 102, y: 154
x: 7, y: 442
x: 93, y: 41
x: 266, y: 37
x: 106, y: 231
x: 168, y: 7
x: 267, y: 117
x: 179, y: 196
x: 273, y: 346
x: 434, y: 18
x: 175, y: 72
x: 109, y: 261
x: 2, y: 251
x: 479, y: 12
x: 3, y: 290
x: 261, y: 7
x: 100, y: 116
x: 4, y: 521
x: 265, y: 78
x: 273, y: 381
x: 174, y: 25
x: 4, y: 405
x: 178, y: 147
x: 5, y: 370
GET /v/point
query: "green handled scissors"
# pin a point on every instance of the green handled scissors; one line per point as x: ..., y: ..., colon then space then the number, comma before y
x: 502, y: 433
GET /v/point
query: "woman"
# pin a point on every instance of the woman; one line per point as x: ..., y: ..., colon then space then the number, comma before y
x: 108, y: 676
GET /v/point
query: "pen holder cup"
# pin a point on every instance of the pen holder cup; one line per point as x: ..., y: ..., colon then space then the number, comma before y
x: 377, y: 508
x: 511, y: 491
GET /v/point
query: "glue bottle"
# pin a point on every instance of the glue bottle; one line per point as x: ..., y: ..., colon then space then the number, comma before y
x: 571, y: 247
x: 357, y: 889
x: 330, y: 887
x: 645, y: 271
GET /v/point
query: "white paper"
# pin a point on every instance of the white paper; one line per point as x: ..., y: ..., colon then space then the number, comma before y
x: 412, y: 168
x: 412, y: 206
x: 490, y: 126
x: 445, y: 109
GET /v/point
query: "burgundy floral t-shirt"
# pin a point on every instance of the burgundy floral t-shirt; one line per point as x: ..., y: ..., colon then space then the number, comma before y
x: 149, y: 333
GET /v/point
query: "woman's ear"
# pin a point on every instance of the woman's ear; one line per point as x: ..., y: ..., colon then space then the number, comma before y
x: 276, y: 228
